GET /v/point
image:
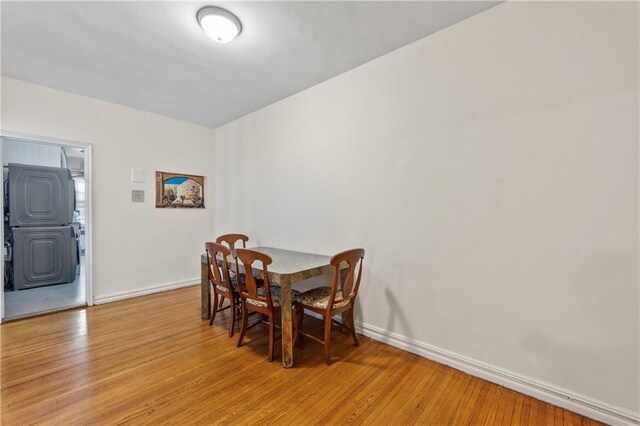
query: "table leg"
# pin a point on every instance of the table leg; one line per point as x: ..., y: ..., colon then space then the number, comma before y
x: 205, y: 294
x: 287, y: 324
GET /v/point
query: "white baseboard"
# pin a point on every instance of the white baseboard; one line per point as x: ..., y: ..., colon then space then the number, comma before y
x: 546, y: 392
x: 121, y: 295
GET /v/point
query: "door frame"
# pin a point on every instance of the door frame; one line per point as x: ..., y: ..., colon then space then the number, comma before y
x: 88, y: 154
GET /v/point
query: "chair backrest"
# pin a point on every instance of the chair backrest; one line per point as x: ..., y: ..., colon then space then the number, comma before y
x: 249, y: 289
x: 352, y: 275
x: 218, y: 275
x: 232, y: 239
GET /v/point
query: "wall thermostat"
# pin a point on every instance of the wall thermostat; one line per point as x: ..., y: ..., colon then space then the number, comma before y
x: 137, y: 196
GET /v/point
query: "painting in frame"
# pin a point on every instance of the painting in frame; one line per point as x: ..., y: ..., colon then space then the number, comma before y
x: 179, y: 190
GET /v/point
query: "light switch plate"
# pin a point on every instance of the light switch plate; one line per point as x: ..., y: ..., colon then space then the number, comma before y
x: 137, y: 175
x: 137, y: 196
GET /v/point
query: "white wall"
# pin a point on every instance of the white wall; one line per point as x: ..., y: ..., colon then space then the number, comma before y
x: 15, y: 151
x: 491, y: 172
x: 135, y: 244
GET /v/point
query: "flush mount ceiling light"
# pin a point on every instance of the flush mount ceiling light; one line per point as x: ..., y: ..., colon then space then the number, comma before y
x: 219, y: 24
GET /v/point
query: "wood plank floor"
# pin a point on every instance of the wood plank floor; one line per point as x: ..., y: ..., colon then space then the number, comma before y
x: 152, y: 360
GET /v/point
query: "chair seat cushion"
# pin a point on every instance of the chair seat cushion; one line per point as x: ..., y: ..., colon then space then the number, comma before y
x: 275, y: 297
x: 319, y: 298
x: 234, y: 283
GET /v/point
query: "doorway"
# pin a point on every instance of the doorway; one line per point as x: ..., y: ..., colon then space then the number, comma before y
x: 46, y: 233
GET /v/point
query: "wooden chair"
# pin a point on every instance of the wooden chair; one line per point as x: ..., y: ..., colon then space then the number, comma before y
x: 230, y: 240
x: 223, y: 284
x: 330, y: 301
x: 264, y: 300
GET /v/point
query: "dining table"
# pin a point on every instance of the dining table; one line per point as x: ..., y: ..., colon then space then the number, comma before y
x: 288, y: 268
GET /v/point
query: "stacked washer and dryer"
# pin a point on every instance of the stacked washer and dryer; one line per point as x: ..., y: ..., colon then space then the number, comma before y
x: 41, y: 244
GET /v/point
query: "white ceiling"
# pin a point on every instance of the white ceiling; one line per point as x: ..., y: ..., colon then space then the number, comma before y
x: 153, y: 55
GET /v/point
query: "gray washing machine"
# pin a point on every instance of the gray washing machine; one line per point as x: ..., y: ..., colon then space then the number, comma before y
x: 44, y: 256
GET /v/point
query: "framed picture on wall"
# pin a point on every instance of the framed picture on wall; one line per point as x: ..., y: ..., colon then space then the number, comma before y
x: 177, y: 190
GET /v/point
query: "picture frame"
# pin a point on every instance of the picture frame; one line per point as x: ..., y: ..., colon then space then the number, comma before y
x: 179, y: 190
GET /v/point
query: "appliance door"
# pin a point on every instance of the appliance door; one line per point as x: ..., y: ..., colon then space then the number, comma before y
x: 44, y: 256
x: 40, y: 196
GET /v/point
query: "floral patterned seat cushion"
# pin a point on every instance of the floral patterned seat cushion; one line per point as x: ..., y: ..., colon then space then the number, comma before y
x: 275, y: 297
x: 319, y: 298
x: 234, y: 283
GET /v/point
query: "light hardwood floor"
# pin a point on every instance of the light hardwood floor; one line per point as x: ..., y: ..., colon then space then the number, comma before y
x: 152, y: 360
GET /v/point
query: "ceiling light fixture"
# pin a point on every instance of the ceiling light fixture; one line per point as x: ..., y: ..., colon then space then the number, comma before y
x: 219, y: 24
